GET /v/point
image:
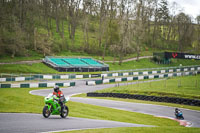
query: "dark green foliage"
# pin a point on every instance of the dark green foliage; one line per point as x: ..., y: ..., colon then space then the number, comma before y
x: 49, y: 27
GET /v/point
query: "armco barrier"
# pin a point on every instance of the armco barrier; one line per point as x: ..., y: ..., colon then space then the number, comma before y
x: 36, y: 85
x: 114, y: 74
x: 148, y: 98
x: 96, y: 82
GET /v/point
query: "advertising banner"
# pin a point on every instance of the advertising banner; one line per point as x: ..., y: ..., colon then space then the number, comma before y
x: 181, y: 55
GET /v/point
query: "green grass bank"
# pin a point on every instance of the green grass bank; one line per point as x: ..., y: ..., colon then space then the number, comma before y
x: 139, y: 130
x: 41, y: 68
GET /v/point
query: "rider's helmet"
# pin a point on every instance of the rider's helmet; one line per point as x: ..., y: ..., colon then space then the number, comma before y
x: 176, y: 109
x: 56, y: 88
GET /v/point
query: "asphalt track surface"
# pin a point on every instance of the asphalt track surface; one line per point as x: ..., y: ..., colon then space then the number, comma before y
x: 31, y: 123
x: 22, y: 122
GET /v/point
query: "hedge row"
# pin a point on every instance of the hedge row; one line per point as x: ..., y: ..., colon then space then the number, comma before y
x: 148, y: 98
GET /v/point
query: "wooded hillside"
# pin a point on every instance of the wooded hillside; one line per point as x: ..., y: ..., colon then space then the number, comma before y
x: 101, y: 27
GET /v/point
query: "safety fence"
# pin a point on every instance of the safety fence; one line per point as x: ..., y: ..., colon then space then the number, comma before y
x: 152, y: 76
x: 36, y: 85
x: 29, y: 77
x: 176, y: 100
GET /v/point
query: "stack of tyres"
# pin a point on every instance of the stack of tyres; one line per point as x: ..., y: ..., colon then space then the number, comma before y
x: 148, y: 98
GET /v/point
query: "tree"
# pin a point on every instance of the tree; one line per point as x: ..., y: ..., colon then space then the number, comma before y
x: 163, y: 13
x: 124, y: 12
x: 113, y: 40
x: 43, y: 42
x: 106, y: 24
x: 155, y: 24
x: 13, y: 35
x: 198, y: 33
x: 73, y: 17
x: 185, y: 31
x: 85, y: 23
x: 139, y: 31
x: 116, y: 27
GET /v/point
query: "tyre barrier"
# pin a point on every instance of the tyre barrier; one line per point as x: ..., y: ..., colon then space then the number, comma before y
x: 191, y: 102
x: 36, y: 85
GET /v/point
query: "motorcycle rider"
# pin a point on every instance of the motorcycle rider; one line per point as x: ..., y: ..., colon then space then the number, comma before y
x: 177, y: 111
x: 59, y: 94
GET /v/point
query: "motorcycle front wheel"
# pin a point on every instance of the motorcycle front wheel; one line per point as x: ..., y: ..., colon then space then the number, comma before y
x: 64, y: 112
x: 46, y: 113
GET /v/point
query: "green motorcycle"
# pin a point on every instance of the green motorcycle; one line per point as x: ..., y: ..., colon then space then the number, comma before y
x: 52, y: 106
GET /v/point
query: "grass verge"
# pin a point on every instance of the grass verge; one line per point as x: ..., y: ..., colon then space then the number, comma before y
x: 26, y: 68
x: 31, y: 56
x: 35, y: 56
x: 36, y: 68
x: 148, y: 63
x: 139, y: 130
x: 41, y: 68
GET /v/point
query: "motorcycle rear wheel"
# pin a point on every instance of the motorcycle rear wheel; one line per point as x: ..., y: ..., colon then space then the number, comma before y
x: 46, y: 113
x: 64, y: 112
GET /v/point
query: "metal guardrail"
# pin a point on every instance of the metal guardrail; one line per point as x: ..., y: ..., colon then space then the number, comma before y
x: 36, y: 85
x: 28, y: 77
x: 159, y: 68
x: 132, y: 78
x: 129, y: 70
